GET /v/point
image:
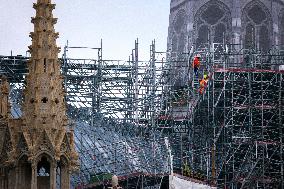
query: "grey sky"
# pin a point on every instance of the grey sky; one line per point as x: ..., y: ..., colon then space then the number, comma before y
x: 85, y: 22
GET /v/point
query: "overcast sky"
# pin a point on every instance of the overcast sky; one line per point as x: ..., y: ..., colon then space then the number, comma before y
x: 85, y: 22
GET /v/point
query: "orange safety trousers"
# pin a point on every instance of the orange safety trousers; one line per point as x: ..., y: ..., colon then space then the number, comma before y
x: 203, y: 84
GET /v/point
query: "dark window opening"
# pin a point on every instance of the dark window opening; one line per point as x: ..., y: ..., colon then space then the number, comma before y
x: 53, y: 67
x: 44, y: 65
x: 203, y: 35
x: 257, y: 14
x: 264, y: 40
x: 44, y: 100
x: 56, y: 101
x: 213, y: 14
x: 220, y: 33
x: 212, y: 23
x: 250, y: 36
x: 257, y: 22
x: 43, y: 168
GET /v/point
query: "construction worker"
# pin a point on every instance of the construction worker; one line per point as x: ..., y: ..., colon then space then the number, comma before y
x: 186, y: 170
x: 203, y: 83
x: 205, y: 75
x: 196, y: 64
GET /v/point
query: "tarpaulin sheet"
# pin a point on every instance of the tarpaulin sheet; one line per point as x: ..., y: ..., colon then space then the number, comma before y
x: 179, y: 183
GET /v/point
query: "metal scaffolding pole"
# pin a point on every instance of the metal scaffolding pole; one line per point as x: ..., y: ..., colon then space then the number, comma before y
x: 231, y: 135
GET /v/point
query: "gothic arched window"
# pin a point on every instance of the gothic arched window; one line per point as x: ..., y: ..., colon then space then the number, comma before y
x: 256, y: 21
x: 212, y: 23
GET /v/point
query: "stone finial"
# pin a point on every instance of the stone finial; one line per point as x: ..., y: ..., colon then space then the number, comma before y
x: 4, y: 97
x: 114, y: 181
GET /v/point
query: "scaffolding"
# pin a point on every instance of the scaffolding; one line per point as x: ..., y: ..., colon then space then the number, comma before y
x: 241, y: 114
x: 105, y: 107
x: 130, y: 117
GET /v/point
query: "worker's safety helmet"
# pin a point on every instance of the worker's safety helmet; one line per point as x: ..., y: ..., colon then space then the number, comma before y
x: 205, y: 76
x: 198, y: 56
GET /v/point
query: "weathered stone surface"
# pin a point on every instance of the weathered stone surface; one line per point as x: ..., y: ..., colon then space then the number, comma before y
x: 34, y: 146
x: 257, y: 24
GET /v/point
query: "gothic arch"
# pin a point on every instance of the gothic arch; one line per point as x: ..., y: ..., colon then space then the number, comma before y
x: 63, y: 166
x: 212, y: 23
x: 45, y: 166
x: 22, y: 145
x: 21, y: 157
x: 24, y: 172
x: 257, y: 25
x: 46, y: 154
x: 64, y: 160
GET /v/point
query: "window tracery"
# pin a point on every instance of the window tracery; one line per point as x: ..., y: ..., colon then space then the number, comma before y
x: 257, y: 26
x: 212, y: 23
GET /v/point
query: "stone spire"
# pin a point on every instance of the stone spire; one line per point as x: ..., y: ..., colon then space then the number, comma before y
x: 39, y: 143
x: 44, y: 104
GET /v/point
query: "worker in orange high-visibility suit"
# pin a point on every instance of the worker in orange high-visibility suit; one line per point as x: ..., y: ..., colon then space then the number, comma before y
x: 203, y: 83
x: 196, y: 64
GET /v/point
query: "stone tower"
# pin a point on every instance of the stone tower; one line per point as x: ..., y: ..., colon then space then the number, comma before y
x: 257, y: 24
x: 37, y: 150
x: 235, y: 21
